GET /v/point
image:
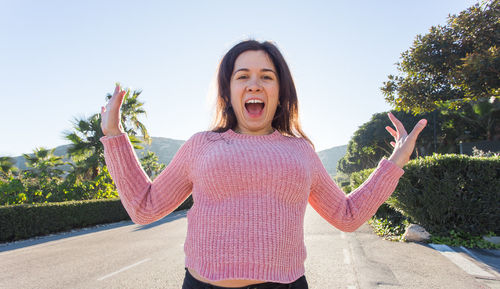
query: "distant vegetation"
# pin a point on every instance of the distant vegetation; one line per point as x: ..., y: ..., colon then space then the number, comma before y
x: 77, y: 171
x: 473, y: 122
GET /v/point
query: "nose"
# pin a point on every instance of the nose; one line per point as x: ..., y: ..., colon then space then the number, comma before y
x: 254, y: 86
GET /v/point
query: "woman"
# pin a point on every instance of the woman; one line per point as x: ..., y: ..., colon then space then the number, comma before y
x: 251, y: 177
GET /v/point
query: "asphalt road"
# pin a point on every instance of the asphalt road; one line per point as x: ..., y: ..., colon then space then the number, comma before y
x: 125, y: 255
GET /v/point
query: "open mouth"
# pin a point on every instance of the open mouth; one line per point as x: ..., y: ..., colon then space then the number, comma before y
x: 254, y: 107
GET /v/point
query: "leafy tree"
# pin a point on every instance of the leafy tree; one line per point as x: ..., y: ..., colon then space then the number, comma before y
x: 101, y: 187
x: 12, y: 191
x: 371, y: 142
x: 452, y: 64
x: 475, y: 121
x: 150, y: 164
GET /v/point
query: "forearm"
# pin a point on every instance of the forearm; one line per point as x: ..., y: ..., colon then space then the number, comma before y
x: 144, y: 201
x: 348, y: 213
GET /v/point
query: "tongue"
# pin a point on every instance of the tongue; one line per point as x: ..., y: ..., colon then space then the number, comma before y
x: 254, y: 108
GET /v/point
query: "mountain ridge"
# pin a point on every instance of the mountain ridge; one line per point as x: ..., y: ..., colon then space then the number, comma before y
x: 165, y: 149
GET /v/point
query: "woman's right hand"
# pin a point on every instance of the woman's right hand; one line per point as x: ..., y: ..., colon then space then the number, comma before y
x: 110, y: 114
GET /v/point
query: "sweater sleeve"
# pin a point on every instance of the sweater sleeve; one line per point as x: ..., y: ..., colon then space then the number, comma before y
x: 349, y: 212
x: 146, y: 201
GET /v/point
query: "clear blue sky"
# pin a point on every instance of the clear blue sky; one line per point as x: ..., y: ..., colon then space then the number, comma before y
x: 58, y: 59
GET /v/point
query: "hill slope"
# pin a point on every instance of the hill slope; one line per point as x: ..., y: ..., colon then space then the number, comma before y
x: 165, y: 149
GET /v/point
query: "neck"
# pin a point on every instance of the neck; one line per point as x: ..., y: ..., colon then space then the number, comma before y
x: 270, y: 131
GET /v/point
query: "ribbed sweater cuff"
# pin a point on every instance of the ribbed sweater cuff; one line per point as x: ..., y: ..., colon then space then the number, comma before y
x: 113, y: 142
x: 390, y: 168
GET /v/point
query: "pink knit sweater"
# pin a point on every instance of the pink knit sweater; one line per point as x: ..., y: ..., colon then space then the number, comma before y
x: 250, y: 195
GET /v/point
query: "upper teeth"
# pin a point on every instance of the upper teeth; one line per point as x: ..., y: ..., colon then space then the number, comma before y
x: 254, y: 101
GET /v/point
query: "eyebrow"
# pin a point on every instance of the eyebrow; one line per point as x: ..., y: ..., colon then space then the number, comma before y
x: 262, y: 70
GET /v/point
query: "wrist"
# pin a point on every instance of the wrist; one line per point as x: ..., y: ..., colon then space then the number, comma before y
x: 396, y: 161
x: 115, y: 133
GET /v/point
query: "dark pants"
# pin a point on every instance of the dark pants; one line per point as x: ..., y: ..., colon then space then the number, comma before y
x: 192, y: 283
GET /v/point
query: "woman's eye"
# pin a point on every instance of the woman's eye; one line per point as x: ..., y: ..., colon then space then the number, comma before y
x: 267, y: 77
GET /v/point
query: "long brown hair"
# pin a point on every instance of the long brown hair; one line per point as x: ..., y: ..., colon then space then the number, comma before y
x: 286, y: 117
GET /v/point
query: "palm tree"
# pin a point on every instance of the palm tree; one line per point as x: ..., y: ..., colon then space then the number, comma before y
x: 150, y: 164
x: 7, y: 168
x: 131, y: 109
x: 44, y: 163
x: 87, y: 151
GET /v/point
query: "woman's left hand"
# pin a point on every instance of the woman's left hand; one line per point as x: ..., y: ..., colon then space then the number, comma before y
x: 405, y: 143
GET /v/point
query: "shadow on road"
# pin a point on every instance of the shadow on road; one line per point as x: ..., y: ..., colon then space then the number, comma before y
x: 488, y: 257
x: 171, y: 217
x: 4, y: 247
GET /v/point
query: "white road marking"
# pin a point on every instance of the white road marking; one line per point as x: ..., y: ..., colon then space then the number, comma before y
x: 470, y: 253
x: 460, y: 261
x: 477, y: 258
x: 342, y: 235
x: 123, y: 269
x: 347, y: 257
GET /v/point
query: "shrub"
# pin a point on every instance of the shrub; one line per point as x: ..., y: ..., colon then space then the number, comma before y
x: 26, y: 220
x: 33, y: 190
x: 384, y: 211
x: 447, y: 193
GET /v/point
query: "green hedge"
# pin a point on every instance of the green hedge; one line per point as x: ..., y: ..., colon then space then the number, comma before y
x: 446, y: 193
x: 25, y: 221
x: 451, y: 192
x: 384, y: 211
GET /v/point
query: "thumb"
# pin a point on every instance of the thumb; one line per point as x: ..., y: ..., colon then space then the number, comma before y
x: 418, y: 129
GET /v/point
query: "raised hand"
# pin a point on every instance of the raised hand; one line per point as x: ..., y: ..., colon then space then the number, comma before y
x: 110, y: 114
x: 404, y: 143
